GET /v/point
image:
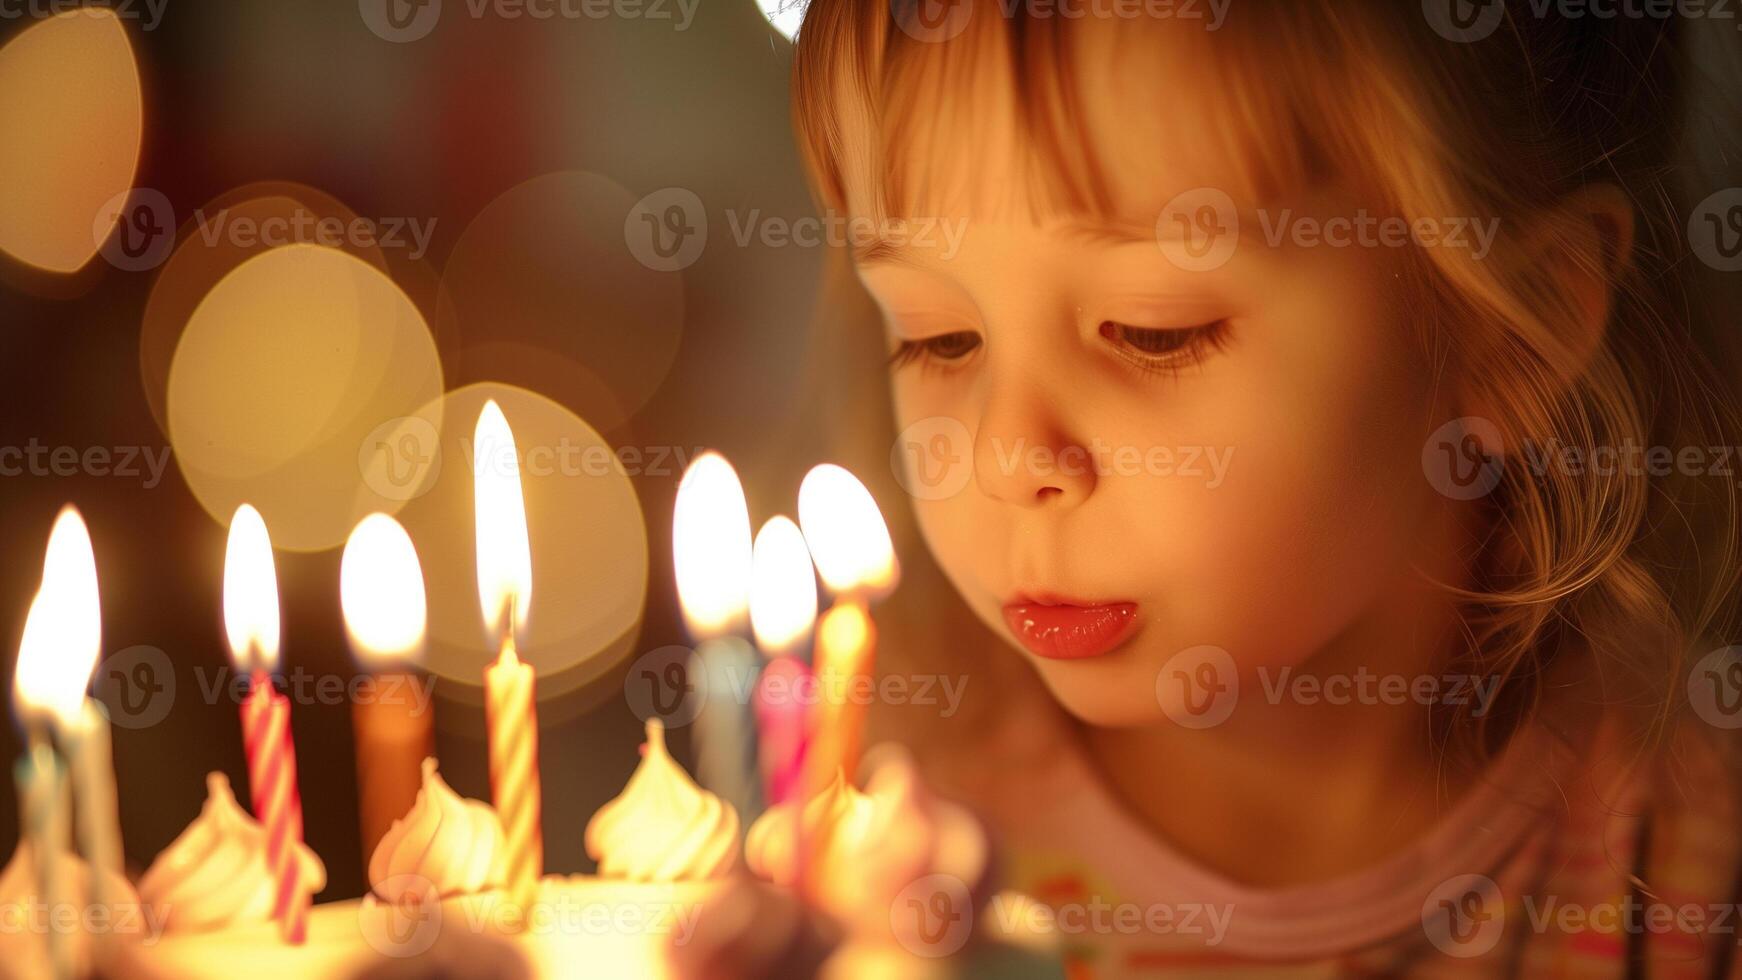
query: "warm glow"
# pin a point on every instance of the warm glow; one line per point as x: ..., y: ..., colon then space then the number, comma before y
x: 381, y: 590
x: 783, y: 588
x: 73, y: 114
x: 63, y: 630
x: 250, y: 592
x: 845, y: 633
x: 504, y: 554
x: 846, y: 533
x: 710, y: 533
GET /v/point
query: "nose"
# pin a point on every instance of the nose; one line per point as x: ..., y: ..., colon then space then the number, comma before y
x: 1025, y: 454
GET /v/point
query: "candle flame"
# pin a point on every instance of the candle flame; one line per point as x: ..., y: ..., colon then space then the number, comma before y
x: 63, y: 630
x: 846, y: 533
x: 250, y: 592
x: 783, y: 588
x: 504, y: 553
x: 381, y: 589
x: 710, y: 530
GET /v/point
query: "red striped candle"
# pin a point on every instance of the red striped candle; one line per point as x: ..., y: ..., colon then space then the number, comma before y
x: 276, y: 800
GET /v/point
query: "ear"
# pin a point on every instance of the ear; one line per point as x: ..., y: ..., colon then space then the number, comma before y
x: 1583, y: 246
x: 1578, y: 249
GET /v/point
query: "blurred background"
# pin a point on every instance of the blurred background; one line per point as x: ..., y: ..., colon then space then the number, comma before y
x: 585, y: 212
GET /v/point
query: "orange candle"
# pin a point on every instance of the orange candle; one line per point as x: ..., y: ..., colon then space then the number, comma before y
x: 386, y: 613
x: 505, y: 591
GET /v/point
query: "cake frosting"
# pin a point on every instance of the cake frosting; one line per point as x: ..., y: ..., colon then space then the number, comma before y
x: 215, y: 874
x: 446, y: 845
x: 23, y: 951
x: 663, y: 827
x: 836, y: 816
x: 868, y: 846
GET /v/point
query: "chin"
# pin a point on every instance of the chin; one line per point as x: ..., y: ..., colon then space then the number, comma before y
x: 1110, y: 692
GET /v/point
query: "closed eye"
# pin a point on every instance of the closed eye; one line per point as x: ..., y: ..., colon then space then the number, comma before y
x: 944, y: 347
x: 1164, y: 349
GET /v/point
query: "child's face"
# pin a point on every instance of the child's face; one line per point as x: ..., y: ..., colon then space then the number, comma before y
x: 1229, y: 457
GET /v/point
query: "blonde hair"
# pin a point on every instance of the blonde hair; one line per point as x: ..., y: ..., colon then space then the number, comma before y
x: 1637, y: 568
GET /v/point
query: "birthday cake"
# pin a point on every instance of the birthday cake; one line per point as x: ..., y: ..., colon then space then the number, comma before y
x: 673, y: 896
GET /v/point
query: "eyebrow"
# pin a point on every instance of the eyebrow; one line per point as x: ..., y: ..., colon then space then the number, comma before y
x: 887, y: 252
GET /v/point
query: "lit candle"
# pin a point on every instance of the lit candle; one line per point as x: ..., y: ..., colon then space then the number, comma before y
x: 382, y: 595
x: 63, y: 639
x: 252, y: 626
x: 505, y: 592
x: 851, y: 547
x: 783, y: 611
x: 711, y: 554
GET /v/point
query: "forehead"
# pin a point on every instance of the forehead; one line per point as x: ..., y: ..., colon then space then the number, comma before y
x: 1092, y: 122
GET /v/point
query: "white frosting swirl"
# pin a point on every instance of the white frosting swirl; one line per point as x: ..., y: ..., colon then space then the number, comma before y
x: 215, y: 874
x: 833, y: 818
x: 870, y: 845
x: 448, y: 844
x: 663, y: 827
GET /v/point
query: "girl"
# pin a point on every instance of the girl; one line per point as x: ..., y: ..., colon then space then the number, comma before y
x: 1311, y: 403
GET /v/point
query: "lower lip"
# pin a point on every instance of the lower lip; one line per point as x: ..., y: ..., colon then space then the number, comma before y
x: 1065, y: 632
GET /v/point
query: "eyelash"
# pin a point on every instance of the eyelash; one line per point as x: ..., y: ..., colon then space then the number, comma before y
x: 1189, y: 346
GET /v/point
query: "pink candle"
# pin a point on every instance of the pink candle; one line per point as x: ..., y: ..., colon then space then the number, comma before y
x: 252, y: 626
x: 276, y: 800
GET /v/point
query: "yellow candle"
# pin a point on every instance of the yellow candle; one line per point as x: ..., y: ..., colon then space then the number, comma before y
x: 505, y: 591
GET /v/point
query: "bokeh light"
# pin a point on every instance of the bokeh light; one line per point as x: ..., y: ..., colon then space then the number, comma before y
x: 72, y: 115
x: 221, y: 235
x: 587, y: 533
x: 546, y: 294
x: 280, y: 381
